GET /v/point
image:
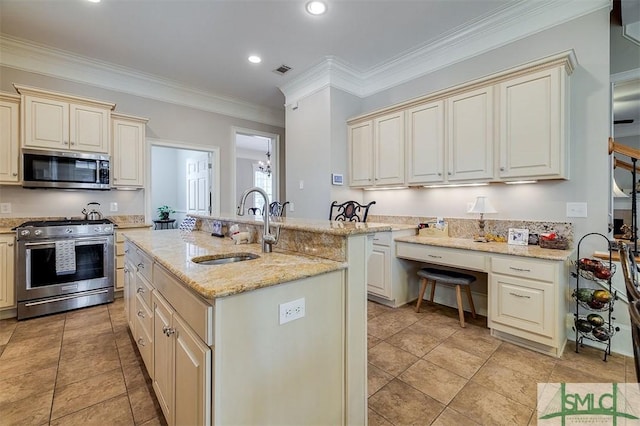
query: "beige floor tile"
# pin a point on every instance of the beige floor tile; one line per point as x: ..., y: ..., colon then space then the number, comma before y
x: 455, y: 360
x: 39, y: 360
x: 438, y: 327
x: 78, y: 369
x: 85, y: 393
x: 528, y: 362
x: 631, y: 376
x: 6, y: 330
x: 26, y: 347
x: 156, y: 421
x: 89, y: 332
x: 2, y: 349
x: 436, y: 382
x: 134, y: 374
x: 475, y: 340
x: 38, y: 327
x: 376, y: 379
x: 390, y: 359
x: 115, y: 411
x: 388, y: 324
x: 401, y: 404
x: 98, y: 347
x: 26, y: 385
x: 374, y: 309
x: 489, y: 407
x: 372, y: 341
x: 33, y: 410
x: 591, y: 360
x: 451, y: 417
x: 143, y: 404
x: 416, y: 339
x: 509, y: 383
x: 375, y: 419
x: 86, y: 318
x: 564, y: 374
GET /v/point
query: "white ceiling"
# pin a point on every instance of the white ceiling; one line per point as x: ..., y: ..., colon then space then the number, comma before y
x: 204, y: 44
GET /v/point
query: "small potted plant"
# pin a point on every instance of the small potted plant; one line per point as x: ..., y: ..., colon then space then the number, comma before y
x: 164, y: 212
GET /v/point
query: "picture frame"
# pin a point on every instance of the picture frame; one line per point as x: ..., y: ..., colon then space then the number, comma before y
x: 518, y: 237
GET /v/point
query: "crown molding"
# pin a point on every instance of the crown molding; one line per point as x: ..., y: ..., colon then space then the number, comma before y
x: 516, y: 21
x: 32, y: 57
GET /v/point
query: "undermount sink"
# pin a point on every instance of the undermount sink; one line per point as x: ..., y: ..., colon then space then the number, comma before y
x: 222, y: 259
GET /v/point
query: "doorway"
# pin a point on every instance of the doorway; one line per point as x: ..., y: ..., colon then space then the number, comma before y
x: 255, y: 162
x: 183, y: 177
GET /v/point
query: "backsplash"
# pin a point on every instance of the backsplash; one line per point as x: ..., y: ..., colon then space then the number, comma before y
x: 467, y: 228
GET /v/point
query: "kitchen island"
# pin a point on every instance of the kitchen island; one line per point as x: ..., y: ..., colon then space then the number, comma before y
x: 280, y: 339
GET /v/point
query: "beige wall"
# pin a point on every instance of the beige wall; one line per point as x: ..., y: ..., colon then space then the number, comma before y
x: 166, y: 121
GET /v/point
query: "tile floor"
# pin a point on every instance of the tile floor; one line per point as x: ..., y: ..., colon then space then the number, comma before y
x: 81, y: 367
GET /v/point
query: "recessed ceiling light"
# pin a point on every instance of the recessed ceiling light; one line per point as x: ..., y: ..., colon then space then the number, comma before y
x: 254, y: 59
x: 316, y: 7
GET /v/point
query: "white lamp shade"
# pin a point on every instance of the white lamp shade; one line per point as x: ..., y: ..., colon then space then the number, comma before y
x: 482, y: 205
x: 617, y: 192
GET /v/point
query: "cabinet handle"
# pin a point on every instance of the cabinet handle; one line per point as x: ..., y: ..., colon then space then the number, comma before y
x: 449, y: 173
x: 140, y: 290
x: 125, y: 269
x: 140, y: 265
x: 439, y: 174
x: 520, y: 295
x: 141, y: 342
x: 168, y: 331
x: 141, y: 314
x: 520, y: 269
x: 14, y: 174
x: 10, y: 244
x: 126, y: 250
x: 434, y: 256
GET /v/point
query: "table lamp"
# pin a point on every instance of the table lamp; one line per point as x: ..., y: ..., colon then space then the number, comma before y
x: 482, y: 206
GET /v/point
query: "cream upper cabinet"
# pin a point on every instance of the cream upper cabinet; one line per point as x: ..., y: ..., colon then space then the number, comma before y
x: 9, y: 138
x: 361, y: 154
x: 425, y: 143
x: 470, y: 135
x: 532, y: 126
x: 128, y: 159
x: 388, y: 137
x: 7, y: 285
x: 55, y: 121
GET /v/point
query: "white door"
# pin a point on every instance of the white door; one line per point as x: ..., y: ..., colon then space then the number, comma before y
x: 198, y: 186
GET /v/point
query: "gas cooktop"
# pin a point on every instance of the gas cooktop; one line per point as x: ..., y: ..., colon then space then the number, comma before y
x: 64, y: 222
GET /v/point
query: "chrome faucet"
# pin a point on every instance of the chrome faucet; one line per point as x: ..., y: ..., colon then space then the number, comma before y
x: 268, y: 240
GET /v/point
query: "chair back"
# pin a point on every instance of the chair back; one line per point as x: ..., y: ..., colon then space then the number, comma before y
x: 277, y: 208
x: 254, y: 210
x: 350, y: 211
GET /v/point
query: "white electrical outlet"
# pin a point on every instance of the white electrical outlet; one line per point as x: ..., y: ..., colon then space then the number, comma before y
x: 5, y: 207
x: 113, y: 207
x: 576, y: 209
x: 292, y: 207
x: 291, y: 310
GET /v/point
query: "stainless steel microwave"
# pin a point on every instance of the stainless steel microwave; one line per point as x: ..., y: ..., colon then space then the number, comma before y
x: 70, y: 170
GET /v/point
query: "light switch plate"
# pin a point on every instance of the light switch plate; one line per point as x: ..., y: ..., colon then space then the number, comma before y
x: 5, y: 207
x: 576, y: 209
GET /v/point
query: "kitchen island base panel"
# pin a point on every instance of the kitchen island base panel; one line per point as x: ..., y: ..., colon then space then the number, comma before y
x: 555, y: 352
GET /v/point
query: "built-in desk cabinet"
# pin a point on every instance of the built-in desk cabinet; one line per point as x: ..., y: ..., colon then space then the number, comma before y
x: 7, y: 285
x: 9, y: 139
x: 58, y: 122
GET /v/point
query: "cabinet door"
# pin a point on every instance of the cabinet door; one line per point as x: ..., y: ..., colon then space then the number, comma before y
x: 522, y: 304
x: 470, y: 135
x: 532, y: 126
x: 46, y: 123
x: 89, y: 128
x: 192, y: 377
x: 361, y: 154
x: 378, y: 272
x: 129, y: 292
x: 128, y: 153
x: 163, y: 371
x: 389, y: 149
x: 9, y: 140
x: 425, y: 143
x: 7, y: 285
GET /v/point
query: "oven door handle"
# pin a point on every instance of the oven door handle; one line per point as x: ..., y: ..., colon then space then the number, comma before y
x: 71, y: 296
x: 42, y: 243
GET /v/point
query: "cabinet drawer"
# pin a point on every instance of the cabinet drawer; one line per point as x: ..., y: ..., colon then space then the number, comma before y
x: 195, y: 312
x: 145, y: 346
x: 465, y: 259
x: 119, y: 279
x: 119, y: 237
x: 120, y: 249
x: 522, y: 304
x: 145, y: 264
x: 119, y: 262
x: 144, y: 315
x: 131, y: 252
x: 382, y: 238
x: 524, y: 268
x: 143, y: 289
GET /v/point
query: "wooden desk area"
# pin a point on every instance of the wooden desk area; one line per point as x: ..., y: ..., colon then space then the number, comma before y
x: 527, y: 286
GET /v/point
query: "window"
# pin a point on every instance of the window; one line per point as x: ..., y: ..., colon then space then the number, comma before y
x: 261, y: 180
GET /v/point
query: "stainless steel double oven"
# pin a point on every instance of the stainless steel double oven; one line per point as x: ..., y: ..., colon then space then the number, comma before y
x: 63, y: 265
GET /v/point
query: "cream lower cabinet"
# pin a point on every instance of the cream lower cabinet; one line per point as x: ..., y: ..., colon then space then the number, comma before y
x: 388, y: 276
x: 128, y: 150
x: 120, y: 274
x: 526, y: 302
x: 9, y: 139
x: 7, y: 285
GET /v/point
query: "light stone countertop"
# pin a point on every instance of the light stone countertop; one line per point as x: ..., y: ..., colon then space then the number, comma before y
x: 6, y: 231
x: 174, y: 249
x: 122, y: 226
x: 491, y: 247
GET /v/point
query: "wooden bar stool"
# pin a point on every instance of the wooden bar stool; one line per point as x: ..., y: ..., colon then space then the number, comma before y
x: 450, y: 278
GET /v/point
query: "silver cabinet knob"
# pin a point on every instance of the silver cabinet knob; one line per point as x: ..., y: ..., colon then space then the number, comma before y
x: 14, y: 174
x: 140, y: 290
x: 502, y: 169
x: 141, y: 314
x: 141, y: 342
